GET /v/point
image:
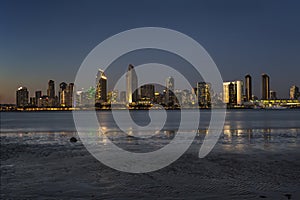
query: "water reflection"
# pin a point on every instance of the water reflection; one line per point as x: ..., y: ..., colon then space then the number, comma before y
x: 233, y: 138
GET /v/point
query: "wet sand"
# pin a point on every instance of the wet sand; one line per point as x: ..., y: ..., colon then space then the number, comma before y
x: 231, y: 171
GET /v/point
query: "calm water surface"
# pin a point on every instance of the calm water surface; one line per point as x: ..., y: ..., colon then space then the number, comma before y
x: 241, y: 126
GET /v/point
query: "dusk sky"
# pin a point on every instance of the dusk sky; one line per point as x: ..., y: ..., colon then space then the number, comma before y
x: 42, y: 40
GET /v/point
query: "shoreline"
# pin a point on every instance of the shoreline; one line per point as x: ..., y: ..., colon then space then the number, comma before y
x: 97, y: 110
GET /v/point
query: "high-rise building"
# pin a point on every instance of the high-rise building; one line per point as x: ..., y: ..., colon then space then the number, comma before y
x: 70, y: 95
x: 147, y: 91
x: 233, y: 92
x: 170, y: 90
x: 131, y: 85
x: 51, y: 89
x: 62, y: 94
x: 294, y: 92
x: 51, y: 93
x: 101, y: 87
x: 22, y: 97
x: 203, y: 94
x: 248, y: 87
x: 265, y: 87
x: 38, y: 96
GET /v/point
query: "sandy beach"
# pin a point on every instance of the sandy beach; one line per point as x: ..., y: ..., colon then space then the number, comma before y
x: 63, y: 170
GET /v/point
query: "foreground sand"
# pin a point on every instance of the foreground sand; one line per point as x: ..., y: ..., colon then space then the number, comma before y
x: 68, y: 171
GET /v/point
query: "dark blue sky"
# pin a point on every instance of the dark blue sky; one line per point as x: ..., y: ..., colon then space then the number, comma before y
x: 42, y: 40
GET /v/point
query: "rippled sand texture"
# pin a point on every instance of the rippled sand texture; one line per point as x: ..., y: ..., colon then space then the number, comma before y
x: 68, y: 171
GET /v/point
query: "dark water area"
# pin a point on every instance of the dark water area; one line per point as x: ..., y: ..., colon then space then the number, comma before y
x: 256, y: 157
x: 235, y: 120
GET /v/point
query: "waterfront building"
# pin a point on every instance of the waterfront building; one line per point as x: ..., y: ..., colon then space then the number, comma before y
x: 101, y: 87
x: 32, y: 101
x: 273, y: 95
x: 51, y: 93
x: 169, y: 98
x: 62, y: 94
x: 248, y: 87
x: 22, y: 97
x: 69, y: 95
x: 294, y: 92
x: 38, y: 95
x: 265, y: 87
x: 203, y: 94
x: 233, y: 92
x: 131, y: 85
x: 147, y: 91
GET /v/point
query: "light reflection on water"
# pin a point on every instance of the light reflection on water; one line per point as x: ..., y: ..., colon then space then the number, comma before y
x: 241, y: 130
x: 229, y: 136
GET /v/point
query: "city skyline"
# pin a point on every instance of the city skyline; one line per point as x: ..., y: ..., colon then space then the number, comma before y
x: 243, y: 37
x: 235, y: 93
x: 247, y: 77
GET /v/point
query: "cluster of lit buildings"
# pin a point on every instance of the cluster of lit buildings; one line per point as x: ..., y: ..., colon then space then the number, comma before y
x: 48, y: 100
x: 236, y: 94
x: 145, y: 96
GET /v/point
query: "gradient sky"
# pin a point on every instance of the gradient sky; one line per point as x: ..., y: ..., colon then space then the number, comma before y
x: 42, y: 40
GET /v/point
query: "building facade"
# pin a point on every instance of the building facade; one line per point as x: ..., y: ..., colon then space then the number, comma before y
x: 101, y: 87
x: 265, y: 87
x: 147, y: 91
x: 294, y: 92
x: 170, y: 97
x: 38, y: 96
x: 70, y: 95
x: 131, y: 85
x: 62, y: 94
x: 248, y: 87
x: 233, y: 92
x: 22, y: 97
x: 51, y: 93
x: 203, y: 94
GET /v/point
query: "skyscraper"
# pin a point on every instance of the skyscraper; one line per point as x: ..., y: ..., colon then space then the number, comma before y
x: 131, y: 85
x: 22, y: 97
x: 51, y: 89
x: 70, y: 94
x: 62, y: 94
x: 51, y: 93
x: 203, y: 94
x: 265, y: 87
x: 101, y: 87
x: 147, y: 91
x: 170, y: 90
x: 294, y: 92
x: 233, y: 92
x: 38, y: 96
x: 248, y: 87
